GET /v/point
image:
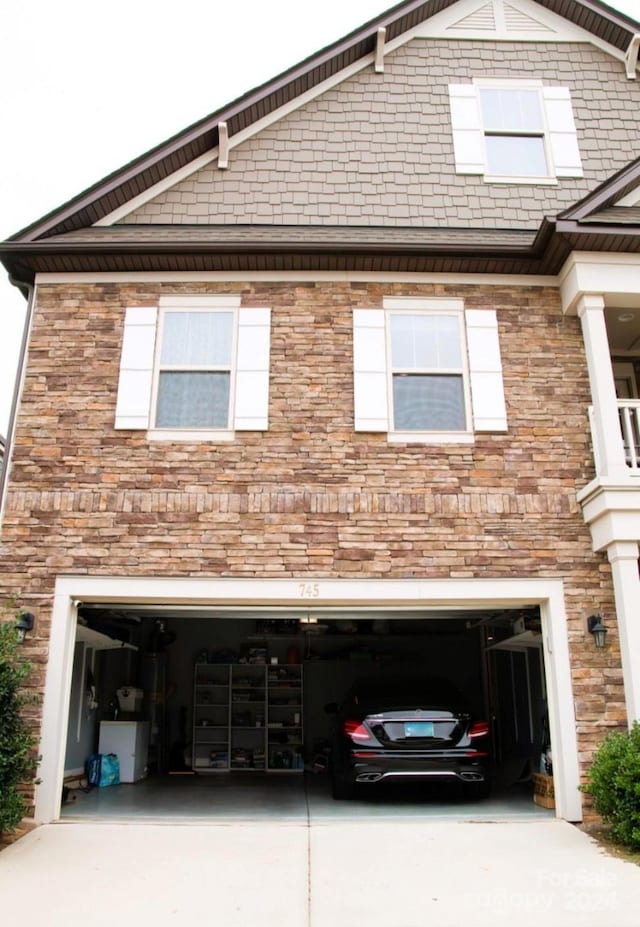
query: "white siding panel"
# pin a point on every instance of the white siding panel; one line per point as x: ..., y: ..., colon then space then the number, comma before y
x: 466, y: 123
x: 370, y: 371
x: 485, y: 371
x: 563, y: 137
x: 136, y: 368
x: 251, y: 411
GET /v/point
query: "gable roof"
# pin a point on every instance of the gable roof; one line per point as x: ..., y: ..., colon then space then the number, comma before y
x: 160, y: 162
x: 67, y: 240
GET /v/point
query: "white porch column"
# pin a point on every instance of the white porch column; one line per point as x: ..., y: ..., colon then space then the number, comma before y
x: 623, y: 556
x: 608, y: 437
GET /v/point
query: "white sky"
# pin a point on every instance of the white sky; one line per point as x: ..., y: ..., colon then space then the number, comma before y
x: 88, y: 87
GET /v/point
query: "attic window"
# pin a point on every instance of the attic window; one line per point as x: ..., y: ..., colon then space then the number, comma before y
x: 513, y: 124
x: 514, y: 131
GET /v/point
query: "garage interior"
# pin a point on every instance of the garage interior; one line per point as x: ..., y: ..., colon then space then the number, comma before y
x: 167, y: 684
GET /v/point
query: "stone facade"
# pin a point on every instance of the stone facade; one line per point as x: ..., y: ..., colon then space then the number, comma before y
x: 378, y: 148
x: 310, y: 497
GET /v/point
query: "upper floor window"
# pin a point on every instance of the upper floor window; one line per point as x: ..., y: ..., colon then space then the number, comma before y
x: 427, y: 370
x: 194, y: 368
x: 514, y: 131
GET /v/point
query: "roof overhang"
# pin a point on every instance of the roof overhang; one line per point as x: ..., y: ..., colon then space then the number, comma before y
x: 262, y: 248
x: 317, y: 248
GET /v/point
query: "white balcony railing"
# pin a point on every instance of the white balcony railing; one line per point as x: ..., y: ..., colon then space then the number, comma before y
x: 629, y: 420
x: 629, y: 415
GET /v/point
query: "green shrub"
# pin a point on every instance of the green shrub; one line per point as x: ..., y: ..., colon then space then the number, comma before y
x: 614, y: 784
x: 17, y: 761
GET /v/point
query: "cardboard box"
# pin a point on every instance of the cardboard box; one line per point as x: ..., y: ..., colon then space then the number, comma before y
x: 543, y: 792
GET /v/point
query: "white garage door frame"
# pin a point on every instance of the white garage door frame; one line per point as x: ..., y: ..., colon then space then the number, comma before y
x: 410, y: 594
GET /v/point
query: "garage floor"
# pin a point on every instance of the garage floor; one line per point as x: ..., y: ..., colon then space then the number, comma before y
x: 288, y: 799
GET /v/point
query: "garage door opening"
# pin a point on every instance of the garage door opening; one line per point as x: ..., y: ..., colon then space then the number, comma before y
x: 222, y: 712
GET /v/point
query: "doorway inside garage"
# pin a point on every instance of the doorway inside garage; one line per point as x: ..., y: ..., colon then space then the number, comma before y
x: 221, y: 712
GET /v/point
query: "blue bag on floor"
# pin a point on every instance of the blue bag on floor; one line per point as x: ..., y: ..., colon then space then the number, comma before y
x: 92, y: 768
x: 109, y: 770
x: 103, y: 769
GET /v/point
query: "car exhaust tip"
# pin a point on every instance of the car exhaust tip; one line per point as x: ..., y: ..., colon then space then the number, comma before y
x: 369, y: 777
x: 472, y: 777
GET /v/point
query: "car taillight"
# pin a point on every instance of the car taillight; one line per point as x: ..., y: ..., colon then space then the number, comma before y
x: 479, y: 729
x: 355, y: 730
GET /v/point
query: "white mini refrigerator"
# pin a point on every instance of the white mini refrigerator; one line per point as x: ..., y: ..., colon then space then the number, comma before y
x: 129, y: 740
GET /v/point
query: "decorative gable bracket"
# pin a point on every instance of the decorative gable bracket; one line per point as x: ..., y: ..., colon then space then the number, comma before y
x: 381, y: 36
x: 631, y: 57
x: 223, y: 146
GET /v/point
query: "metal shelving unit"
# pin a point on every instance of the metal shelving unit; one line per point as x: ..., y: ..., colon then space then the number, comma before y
x: 210, y: 717
x: 285, y: 731
x: 248, y: 717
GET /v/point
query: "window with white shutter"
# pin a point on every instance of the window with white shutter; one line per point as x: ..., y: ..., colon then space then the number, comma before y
x: 514, y: 131
x: 196, y: 368
x: 426, y: 370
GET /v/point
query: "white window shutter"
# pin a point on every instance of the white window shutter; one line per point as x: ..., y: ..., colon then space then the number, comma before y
x: 370, y: 385
x: 563, y: 138
x: 485, y: 370
x: 133, y: 405
x: 468, y: 134
x: 251, y: 410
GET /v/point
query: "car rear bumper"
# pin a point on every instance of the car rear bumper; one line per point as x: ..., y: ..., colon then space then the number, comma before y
x: 376, y: 769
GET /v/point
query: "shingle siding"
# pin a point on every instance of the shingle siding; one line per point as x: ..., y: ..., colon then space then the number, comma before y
x: 378, y: 148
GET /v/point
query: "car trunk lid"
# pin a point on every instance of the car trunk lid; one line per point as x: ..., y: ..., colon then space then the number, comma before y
x: 421, y: 728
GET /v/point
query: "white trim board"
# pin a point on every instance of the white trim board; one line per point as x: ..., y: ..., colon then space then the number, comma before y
x: 306, y: 592
x: 615, y: 277
x: 279, y: 276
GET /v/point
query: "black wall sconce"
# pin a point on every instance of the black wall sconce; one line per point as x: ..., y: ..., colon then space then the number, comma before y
x: 24, y: 624
x: 595, y: 626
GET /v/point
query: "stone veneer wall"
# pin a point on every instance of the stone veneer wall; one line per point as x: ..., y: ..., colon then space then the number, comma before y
x: 309, y: 498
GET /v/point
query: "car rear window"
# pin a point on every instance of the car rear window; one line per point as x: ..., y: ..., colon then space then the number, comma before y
x: 386, y: 692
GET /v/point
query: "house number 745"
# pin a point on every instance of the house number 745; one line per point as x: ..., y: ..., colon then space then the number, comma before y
x: 309, y: 590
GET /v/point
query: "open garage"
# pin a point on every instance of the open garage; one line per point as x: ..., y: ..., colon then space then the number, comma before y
x: 220, y: 710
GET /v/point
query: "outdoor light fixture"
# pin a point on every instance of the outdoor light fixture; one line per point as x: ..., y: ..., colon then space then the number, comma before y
x: 595, y: 626
x: 24, y: 623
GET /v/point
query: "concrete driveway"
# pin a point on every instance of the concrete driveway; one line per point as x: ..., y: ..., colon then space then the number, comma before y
x: 399, y: 873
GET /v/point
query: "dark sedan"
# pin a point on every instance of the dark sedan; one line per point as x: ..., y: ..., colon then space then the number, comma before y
x: 407, y: 729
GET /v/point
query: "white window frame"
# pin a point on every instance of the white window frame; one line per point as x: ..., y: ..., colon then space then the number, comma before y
x: 409, y: 307
x: 193, y: 305
x: 492, y: 84
x: 139, y: 368
x: 483, y: 381
x: 470, y: 133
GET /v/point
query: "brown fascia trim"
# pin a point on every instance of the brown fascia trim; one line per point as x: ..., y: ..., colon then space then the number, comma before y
x: 24, y: 270
x: 612, y: 189
x: 399, y: 16
x: 28, y: 249
x: 609, y: 230
x: 533, y: 250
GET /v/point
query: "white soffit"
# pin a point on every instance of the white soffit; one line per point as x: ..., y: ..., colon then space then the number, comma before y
x: 501, y: 20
